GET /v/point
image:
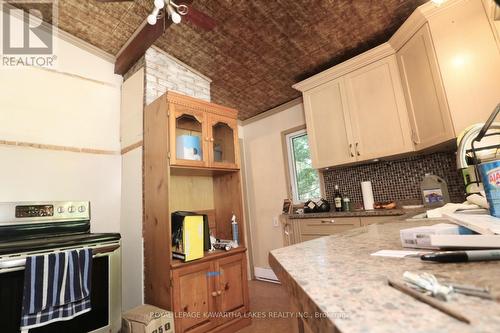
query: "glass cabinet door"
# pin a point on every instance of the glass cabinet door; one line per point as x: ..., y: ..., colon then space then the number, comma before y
x: 223, y: 142
x: 187, y: 129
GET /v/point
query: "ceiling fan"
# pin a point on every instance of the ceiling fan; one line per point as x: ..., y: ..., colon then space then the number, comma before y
x: 165, y: 13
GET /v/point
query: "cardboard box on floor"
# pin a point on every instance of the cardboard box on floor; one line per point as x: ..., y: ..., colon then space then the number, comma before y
x: 147, y: 319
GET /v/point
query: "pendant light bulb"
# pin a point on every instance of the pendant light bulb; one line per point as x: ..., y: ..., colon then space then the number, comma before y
x: 154, y: 16
x: 159, y: 4
x: 176, y: 18
x: 152, y: 19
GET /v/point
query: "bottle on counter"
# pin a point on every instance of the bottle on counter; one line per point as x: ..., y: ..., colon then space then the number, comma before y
x: 310, y: 206
x: 338, y: 199
x: 434, y: 191
x: 234, y: 227
x: 323, y: 205
x: 346, y: 204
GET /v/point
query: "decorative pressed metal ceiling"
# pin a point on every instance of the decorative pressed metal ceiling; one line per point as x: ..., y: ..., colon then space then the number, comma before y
x: 258, y: 48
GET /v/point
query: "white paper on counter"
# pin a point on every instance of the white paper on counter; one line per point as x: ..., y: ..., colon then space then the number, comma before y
x: 399, y: 253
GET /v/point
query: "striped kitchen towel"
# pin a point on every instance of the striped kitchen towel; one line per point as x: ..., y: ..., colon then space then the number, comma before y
x: 56, y: 287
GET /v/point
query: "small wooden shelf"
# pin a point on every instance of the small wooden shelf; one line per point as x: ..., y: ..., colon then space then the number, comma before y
x: 217, y: 254
x: 202, y: 171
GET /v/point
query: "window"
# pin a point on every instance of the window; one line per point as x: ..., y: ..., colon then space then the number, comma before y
x: 303, y: 178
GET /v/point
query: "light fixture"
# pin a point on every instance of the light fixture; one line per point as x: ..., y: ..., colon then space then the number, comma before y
x: 174, y: 11
x: 176, y: 18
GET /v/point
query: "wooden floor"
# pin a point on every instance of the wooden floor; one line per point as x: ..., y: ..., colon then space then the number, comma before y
x: 269, y: 298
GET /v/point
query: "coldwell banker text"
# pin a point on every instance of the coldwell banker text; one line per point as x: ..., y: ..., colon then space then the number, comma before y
x: 28, y: 32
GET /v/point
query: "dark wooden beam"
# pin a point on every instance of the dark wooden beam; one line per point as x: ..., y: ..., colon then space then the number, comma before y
x: 200, y: 19
x: 140, y: 41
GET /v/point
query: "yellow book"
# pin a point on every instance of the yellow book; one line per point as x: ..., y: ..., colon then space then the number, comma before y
x: 193, y: 237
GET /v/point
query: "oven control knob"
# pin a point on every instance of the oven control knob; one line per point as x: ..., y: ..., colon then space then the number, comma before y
x: 60, y: 210
x: 71, y: 209
x: 82, y: 209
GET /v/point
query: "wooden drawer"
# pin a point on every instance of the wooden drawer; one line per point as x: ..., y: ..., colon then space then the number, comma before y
x: 327, y: 226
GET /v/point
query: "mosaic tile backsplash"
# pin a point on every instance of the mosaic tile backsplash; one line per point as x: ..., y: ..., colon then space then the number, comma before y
x: 397, y: 180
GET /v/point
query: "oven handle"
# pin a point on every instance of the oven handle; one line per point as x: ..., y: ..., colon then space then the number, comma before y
x: 18, y: 264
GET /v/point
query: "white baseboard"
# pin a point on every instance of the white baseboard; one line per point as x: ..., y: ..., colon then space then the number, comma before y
x: 265, y: 274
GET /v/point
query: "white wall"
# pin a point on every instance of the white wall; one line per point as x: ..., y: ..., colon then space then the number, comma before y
x: 131, y: 203
x: 266, y: 179
x: 131, y: 230
x: 36, y: 175
x: 75, y: 105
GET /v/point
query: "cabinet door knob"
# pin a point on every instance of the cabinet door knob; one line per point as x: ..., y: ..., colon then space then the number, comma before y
x: 211, y: 139
x: 350, y: 150
x: 214, y: 293
x: 219, y: 292
x: 357, y: 149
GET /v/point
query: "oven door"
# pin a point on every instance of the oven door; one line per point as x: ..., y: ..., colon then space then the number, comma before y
x: 105, y: 315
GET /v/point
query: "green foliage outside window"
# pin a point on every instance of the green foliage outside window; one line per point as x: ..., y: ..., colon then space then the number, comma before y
x: 307, y: 179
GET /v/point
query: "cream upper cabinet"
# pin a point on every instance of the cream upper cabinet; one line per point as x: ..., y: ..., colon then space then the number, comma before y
x: 425, y: 97
x: 377, y: 109
x: 469, y: 61
x: 359, y: 116
x: 328, y: 125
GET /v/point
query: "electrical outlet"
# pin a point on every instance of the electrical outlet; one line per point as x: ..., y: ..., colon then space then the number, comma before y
x: 276, y: 222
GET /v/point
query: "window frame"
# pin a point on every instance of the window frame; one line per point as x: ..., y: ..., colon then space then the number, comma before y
x: 290, y: 170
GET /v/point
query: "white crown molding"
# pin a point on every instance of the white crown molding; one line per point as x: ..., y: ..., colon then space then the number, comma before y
x: 408, y: 29
x: 417, y: 19
x: 280, y: 108
x: 67, y: 37
x: 348, y: 66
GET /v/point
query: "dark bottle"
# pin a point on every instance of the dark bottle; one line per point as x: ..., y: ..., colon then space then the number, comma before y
x: 310, y: 207
x: 338, y: 199
x: 323, y: 205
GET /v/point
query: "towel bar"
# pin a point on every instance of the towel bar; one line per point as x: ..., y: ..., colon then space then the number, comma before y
x: 18, y: 263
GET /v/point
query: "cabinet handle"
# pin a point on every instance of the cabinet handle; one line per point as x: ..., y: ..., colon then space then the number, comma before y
x: 211, y: 139
x: 350, y: 150
x: 357, y: 149
x: 219, y: 292
x: 328, y: 221
x: 207, y: 139
x: 214, y: 293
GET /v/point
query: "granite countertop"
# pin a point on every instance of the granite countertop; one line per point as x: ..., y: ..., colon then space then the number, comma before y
x: 356, y: 213
x: 336, y: 277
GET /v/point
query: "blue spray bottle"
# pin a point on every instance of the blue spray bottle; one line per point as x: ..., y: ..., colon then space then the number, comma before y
x: 234, y: 226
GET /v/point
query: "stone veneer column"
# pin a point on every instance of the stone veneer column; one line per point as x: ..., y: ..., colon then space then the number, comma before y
x: 163, y: 72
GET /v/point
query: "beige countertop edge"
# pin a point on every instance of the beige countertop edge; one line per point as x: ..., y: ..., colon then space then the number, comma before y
x: 302, y: 302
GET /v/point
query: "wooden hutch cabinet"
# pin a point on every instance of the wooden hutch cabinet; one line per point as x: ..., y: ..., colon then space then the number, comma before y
x: 191, y: 163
